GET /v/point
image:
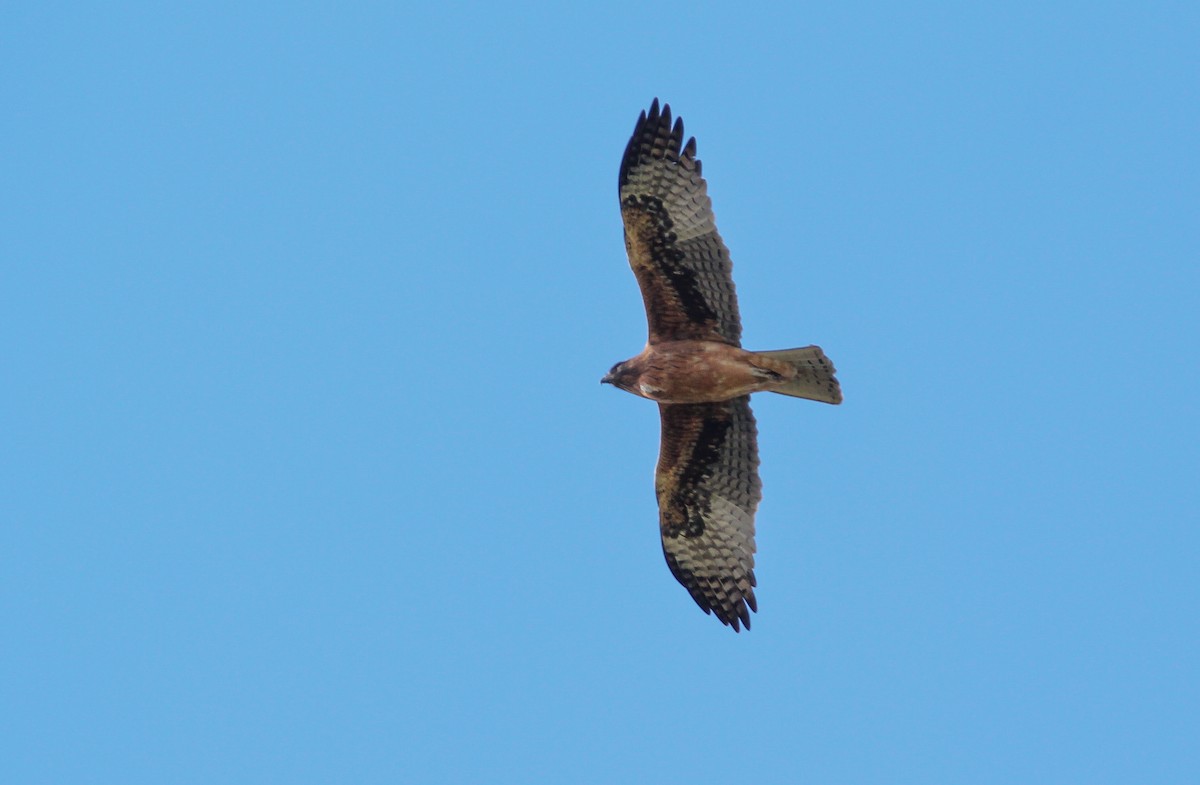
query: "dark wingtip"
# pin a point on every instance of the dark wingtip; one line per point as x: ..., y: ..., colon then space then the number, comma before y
x: 738, y: 612
x: 655, y: 136
x: 734, y: 614
x: 732, y: 610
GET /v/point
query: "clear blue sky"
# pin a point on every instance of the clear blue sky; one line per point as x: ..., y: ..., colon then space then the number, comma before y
x: 308, y: 476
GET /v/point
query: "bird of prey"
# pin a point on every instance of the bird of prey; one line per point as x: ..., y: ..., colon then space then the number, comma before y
x: 693, y: 366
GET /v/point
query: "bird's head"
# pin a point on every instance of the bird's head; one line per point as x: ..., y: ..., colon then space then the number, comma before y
x: 620, y: 375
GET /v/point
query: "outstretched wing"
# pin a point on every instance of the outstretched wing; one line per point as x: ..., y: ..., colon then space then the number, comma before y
x: 681, y: 264
x: 708, y: 490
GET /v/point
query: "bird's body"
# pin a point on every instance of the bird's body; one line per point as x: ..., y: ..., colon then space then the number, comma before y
x: 695, y: 368
x: 699, y: 372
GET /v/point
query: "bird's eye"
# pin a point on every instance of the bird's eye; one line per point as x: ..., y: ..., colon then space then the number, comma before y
x: 615, y: 368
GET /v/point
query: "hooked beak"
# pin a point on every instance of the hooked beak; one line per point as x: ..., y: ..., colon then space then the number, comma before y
x: 608, y: 379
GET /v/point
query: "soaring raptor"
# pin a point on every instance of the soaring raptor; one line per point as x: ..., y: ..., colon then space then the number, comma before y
x: 694, y: 367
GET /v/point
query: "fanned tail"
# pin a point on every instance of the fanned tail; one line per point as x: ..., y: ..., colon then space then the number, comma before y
x: 814, y: 378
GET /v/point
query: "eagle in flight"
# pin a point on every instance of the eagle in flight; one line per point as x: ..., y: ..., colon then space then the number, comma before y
x: 695, y: 368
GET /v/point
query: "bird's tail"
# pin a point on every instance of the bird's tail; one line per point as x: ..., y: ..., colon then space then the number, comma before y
x: 814, y: 377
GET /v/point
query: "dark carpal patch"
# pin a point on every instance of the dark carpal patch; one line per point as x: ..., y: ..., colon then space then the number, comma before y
x: 691, y: 495
x: 670, y: 260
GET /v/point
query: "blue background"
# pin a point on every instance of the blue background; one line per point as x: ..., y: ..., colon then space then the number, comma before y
x: 307, y: 476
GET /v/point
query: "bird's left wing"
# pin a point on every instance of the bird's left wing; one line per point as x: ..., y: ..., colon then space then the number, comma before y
x: 681, y: 264
x: 708, y: 489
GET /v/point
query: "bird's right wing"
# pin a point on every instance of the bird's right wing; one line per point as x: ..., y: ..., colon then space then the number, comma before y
x: 708, y: 489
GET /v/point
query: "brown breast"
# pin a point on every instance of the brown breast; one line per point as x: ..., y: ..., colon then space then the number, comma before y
x: 698, y: 372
